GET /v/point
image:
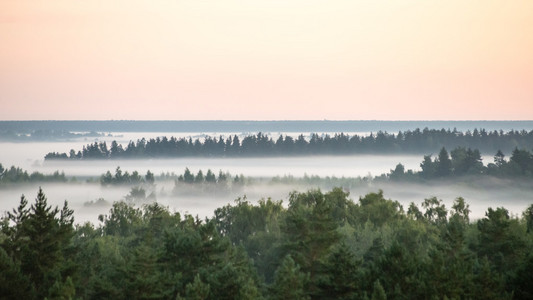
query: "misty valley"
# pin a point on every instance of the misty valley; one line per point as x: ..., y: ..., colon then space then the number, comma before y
x: 266, y: 150
x: 403, y: 165
x: 275, y: 215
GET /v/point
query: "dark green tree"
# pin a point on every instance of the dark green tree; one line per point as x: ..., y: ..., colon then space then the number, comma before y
x: 378, y: 293
x: 500, y: 240
x: 39, y: 241
x: 310, y: 233
x: 341, y: 279
x: 444, y: 164
x: 289, y: 281
x: 436, y: 212
x: 429, y: 168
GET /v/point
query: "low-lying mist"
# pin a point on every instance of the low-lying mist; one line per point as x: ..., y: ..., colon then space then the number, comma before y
x: 347, y: 166
x: 83, y: 197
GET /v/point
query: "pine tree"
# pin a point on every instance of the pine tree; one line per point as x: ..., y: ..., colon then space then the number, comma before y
x: 40, y: 243
x: 444, y: 164
x: 311, y: 232
x: 289, y: 281
x: 342, y: 277
x: 197, y: 290
x: 379, y: 292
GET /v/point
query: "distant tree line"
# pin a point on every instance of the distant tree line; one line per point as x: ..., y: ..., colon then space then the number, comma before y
x: 18, y: 175
x: 464, y: 162
x: 209, y: 178
x: 459, y: 162
x: 416, y: 141
x: 188, y: 184
x: 125, y: 178
x: 43, y: 135
x: 318, y: 246
x: 121, y: 178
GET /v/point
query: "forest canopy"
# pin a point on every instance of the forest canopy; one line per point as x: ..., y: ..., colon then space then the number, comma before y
x: 317, y: 246
x: 416, y: 142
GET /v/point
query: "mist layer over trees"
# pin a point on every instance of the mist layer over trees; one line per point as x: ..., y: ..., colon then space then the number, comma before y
x: 316, y: 246
x: 467, y: 162
x: 416, y: 141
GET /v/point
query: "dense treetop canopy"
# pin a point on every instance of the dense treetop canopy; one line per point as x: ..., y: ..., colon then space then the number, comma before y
x: 416, y: 141
x: 317, y: 246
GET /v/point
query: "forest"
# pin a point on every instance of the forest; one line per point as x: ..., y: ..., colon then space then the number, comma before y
x: 259, y: 145
x: 467, y: 162
x: 315, y: 244
x: 459, y: 163
x: 18, y: 175
x: 318, y: 245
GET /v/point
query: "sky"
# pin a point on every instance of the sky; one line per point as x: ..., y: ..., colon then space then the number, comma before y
x: 266, y: 60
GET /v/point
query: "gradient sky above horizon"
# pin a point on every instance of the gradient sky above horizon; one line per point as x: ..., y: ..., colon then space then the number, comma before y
x: 266, y: 60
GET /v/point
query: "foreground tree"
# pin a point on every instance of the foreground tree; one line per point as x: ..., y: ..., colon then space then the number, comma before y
x: 39, y: 243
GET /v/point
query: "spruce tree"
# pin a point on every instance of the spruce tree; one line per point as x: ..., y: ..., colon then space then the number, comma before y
x: 379, y: 292
x: 444, y: 164
x: 289, y: 281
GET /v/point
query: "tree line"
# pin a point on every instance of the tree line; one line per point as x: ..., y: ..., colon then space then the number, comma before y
x: 318, y: 246
x: 121, y: 178
x: 458, y: 162
x: 18, y: 175
x: 416, y: 141
x: 43, y: 135
x: 467, y: 162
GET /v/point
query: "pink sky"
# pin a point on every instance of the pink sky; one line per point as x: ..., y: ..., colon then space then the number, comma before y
x: 266, y: 60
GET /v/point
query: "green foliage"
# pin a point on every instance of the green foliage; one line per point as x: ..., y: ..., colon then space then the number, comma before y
x: 436, y: 212
x: 310, y: 232
x: 500, y: 239
x: 197, y: 290
x: 322, y: 246
x: 342, y: 275
x: 399, y: 271
x: 121, y: 221
x: 528, y: 216
x: 521, y: 282
x: 378, y: 293
x: 375, y: 208
x: 38, y: 242
x: 13, y: 283
x: 289, y: 281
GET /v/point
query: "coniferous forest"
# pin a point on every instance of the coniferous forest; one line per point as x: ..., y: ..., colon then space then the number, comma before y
x: 318, y: 245
x: 266, y: 150
x: 416, y: 141
x: 314, y: 244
